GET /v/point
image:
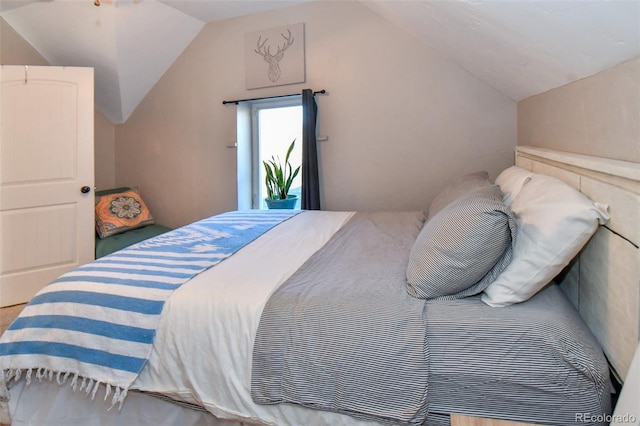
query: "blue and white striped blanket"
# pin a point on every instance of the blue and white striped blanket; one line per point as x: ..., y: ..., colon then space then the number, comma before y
x: 96, y: 324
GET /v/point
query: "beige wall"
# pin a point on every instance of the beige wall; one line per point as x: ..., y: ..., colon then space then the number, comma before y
x: 599, y: 115
x: 401, y: 120
x: 14, y: 50
x: 104, y: 152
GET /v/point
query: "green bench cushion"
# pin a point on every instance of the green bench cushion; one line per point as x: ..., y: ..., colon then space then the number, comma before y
x: 116, y: 242
x: 112, y: 191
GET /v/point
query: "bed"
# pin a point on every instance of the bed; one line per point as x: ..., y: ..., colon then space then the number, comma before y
x: 404, y: 345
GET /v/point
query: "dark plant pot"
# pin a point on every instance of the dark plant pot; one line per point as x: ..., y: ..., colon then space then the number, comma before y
x: 288, y: 203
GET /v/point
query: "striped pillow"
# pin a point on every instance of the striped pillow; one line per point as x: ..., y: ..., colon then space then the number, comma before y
x: 459, y: 187
x: 463, y: 248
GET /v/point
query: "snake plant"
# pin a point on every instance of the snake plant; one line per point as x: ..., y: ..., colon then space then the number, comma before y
x: 278, y: 177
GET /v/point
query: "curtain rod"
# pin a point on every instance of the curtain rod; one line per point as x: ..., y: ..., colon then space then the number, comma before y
x: 237, y: 101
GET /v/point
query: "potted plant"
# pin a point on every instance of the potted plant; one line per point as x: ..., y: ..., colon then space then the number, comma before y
x: 278, y: 179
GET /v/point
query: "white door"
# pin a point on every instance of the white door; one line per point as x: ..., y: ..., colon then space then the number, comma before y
x: 46, y: 176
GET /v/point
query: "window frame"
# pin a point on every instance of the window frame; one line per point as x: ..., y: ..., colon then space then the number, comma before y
x: 256, y: 165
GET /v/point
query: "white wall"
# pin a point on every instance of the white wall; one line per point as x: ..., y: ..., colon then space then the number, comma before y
x: 401, y: 119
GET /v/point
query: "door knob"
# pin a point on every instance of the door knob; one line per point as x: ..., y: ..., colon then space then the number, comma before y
x: 85, y: 189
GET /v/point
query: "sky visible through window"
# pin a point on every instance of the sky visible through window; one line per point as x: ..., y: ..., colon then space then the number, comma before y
x: 278, y: 127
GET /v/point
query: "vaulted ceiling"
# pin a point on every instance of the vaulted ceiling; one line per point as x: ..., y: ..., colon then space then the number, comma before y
x: 520, y: 47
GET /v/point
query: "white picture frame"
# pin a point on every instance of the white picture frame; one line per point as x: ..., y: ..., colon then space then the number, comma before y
x: 275, y: 57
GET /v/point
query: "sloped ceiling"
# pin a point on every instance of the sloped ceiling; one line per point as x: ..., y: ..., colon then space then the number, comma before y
x: 129, y: 43
x: 523, y: 48
x: 520, y: 47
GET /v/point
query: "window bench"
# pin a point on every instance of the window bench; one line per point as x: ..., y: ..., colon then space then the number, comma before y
x: 108, y: 245
x: 116, y: 242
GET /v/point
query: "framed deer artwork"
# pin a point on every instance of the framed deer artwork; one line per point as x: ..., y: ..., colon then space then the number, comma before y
x: 275, y: 57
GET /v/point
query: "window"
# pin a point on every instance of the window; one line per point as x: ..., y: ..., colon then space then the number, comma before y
x: 266, y: 128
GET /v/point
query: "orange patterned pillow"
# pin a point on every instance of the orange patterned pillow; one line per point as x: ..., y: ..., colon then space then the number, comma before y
x: 121, y: 212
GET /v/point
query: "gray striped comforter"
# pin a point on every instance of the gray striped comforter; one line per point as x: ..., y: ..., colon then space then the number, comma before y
x: 363, y: 353
x: 373, y: 351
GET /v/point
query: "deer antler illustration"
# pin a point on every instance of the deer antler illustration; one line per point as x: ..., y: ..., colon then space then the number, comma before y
x: 274, y: 60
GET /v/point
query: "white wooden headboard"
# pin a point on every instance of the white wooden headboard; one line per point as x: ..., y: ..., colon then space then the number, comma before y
x: 603, y: 282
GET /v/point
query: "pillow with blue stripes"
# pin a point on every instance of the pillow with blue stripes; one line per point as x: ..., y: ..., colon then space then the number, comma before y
x: 457, y: 188
x: 463, y: 248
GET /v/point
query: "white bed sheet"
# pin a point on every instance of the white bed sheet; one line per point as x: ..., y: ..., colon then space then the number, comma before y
x: 49, y: 404
x: 203, y: 347
x: 211, y: 365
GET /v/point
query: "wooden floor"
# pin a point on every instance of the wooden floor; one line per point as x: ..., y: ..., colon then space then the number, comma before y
x: 460, y: 420
x: 7, y: 315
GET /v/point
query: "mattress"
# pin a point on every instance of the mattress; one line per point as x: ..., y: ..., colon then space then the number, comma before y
x: 535, y: 361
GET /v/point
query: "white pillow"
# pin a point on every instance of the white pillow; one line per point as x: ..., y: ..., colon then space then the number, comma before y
x: 554, y: 222
x: 511, y: 181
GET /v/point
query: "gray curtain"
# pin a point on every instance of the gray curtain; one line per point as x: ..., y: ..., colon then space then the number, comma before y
x: 310, y: 180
